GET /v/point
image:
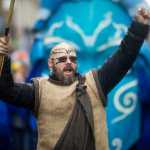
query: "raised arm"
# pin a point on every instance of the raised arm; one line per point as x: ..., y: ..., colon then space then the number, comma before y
x: 21, y: 95
x: 117, y: 66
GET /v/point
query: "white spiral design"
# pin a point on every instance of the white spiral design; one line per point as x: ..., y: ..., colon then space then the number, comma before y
x: 117, y: 143
x: 129, y: 101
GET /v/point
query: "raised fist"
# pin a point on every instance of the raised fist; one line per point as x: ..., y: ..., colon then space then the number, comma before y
x: 143, y: 16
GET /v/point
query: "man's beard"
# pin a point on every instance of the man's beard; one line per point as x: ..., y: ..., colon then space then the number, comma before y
x: 66, y: 80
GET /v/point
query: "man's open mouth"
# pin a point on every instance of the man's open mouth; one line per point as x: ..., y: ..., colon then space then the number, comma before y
x: 68, y: 71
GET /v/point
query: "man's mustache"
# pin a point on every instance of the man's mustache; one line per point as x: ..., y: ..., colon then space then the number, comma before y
x: 68, y: 68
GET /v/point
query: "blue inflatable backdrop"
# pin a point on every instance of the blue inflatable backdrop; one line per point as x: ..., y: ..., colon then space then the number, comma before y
x: 95, y: 28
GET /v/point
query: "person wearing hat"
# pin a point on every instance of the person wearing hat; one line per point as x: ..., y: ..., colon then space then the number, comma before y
x: 70, y: 108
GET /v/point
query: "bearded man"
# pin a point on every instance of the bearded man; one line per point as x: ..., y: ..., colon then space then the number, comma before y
x: 69, y: 107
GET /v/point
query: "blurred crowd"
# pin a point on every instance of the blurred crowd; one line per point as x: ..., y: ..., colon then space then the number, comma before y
x: 96, y: 28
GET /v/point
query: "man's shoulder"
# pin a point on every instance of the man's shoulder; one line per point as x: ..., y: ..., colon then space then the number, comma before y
x: 90, y: 74
x: 39, y: 78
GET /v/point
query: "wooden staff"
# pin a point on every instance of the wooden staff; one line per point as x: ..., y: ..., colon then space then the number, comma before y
x: 8, y: 22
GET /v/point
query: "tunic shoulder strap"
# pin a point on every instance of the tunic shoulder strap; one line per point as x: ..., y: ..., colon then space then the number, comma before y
x: 99, y: 88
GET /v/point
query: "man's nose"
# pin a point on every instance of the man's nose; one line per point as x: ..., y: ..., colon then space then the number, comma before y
x: 68, y: 60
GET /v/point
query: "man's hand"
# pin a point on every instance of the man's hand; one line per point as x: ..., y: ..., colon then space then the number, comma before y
x: 143, y: 16
x: 4, y: 47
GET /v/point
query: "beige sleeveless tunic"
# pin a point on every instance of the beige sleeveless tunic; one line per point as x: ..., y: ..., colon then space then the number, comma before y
x: 54, y: 105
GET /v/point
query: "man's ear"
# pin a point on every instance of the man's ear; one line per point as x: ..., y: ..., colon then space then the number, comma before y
x: 50, y: 63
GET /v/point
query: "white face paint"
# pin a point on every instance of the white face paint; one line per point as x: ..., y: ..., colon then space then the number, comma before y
x: 65, y: 57
x: 63, y: 49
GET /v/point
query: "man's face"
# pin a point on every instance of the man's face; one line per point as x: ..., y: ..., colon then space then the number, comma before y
x: 64, y: 67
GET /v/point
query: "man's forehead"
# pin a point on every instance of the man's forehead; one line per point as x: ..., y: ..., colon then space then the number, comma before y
x: 62, y: 53
x: 63, y: 49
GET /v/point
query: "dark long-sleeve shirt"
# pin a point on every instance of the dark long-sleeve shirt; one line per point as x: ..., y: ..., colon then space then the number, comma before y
x: 108, y: 75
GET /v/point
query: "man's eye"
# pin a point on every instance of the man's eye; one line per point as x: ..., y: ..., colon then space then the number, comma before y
x: 73, y: 59
x: 62, y: 59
